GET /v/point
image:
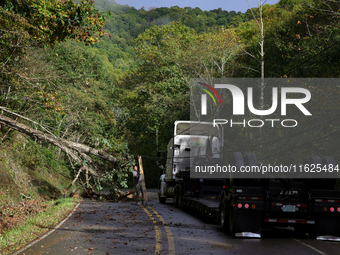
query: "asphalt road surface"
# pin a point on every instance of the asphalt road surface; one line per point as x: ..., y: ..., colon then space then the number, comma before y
x: 129, y: 228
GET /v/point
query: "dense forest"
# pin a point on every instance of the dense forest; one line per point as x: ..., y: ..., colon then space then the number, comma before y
x: 111, y: 76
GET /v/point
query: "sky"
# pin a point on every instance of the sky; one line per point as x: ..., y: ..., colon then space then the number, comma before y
x: 206, y: 5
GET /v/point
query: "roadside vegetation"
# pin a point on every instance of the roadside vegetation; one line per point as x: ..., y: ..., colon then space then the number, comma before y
x: 25, y: 222
x: 105, y: 78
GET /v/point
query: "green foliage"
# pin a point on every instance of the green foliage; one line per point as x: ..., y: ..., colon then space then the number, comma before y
x: 68, y: 87
x: 301, y: 40
x: 314, y: 40
x: 38, y: 169
x: 57, y: 20
x: 33, y: 23
x: 156, y: 93
x: 126, y: 23
x: 76, y: 61
x: 33, y: 220
x: 115, y: 94
x: 135, y: 21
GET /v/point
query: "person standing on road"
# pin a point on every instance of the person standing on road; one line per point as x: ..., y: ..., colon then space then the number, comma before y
x: 138, y: 182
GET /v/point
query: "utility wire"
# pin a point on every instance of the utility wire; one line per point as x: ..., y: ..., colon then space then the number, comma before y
x: 290, y: 136
x: 267, y: 142
x: 296, y: 147
x: 307, y: 60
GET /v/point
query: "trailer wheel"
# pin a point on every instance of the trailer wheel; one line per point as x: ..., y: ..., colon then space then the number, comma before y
x: 175, y: 199
x: 232, y: 219
x: 224, y: 214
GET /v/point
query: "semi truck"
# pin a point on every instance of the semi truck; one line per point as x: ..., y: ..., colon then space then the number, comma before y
x: 245, y: 207
x: 204, y: 141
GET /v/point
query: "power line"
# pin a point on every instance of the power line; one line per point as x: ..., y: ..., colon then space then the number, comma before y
x: 296, y: 147
x: 307, y: 60
x: 290, y: 136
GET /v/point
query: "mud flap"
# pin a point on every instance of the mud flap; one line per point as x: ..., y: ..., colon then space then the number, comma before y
x: 247, y: 224
x: 328, y: 227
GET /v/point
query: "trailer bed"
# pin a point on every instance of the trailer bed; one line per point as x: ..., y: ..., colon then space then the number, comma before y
x: 205, y: 207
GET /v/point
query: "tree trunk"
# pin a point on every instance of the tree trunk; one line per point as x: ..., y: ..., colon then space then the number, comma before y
x: 67, y: 146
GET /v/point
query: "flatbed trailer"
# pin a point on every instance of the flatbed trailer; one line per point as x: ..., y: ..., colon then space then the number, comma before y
x: 311, y: 206
x: 200, y: 196
x: 205, y: 207
x: 247, y: 207
x: 244, y: 207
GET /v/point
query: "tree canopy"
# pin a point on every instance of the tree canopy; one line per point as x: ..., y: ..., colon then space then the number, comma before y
x: 113, y: 80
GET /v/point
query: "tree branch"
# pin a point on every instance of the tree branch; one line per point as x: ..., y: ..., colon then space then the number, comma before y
x: 65, y: 145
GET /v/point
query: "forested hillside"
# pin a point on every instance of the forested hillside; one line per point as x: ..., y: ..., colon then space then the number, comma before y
x: 110, y: 76
x: 126, y: 23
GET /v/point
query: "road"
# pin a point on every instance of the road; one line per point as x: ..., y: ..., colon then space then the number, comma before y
x: 128, y: 228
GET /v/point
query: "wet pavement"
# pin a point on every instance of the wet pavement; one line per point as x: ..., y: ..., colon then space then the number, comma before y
x: 128, y: 228
x: 101, y: 228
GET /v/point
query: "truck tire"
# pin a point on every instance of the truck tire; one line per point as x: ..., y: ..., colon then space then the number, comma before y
x: 326, y: 161
x: 250, y: 159
x: 175, y: 199
x: 224, y: 214
x: 180, y: 195
x: 237, y: 161
x: 311, y: 230
x: 318, y: 183
x: 300, y: 230
x: 231, y: 219
x: 162, y: 200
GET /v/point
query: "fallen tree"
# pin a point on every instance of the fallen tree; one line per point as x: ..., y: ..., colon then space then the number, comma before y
x: 61, y: 143
x: 77, y: 152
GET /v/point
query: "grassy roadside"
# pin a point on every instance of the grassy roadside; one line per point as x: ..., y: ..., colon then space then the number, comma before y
x: 33, y: 226
x: 34, y: 177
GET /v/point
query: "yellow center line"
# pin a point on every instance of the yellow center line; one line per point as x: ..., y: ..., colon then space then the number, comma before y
x: 158, y: 247
x: 168, y: 232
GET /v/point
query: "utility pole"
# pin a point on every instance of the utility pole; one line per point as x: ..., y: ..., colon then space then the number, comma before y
x: 156, y: 140
x: 261, y: 52
x: 262, y: 57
